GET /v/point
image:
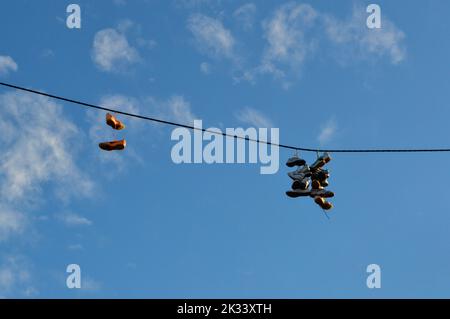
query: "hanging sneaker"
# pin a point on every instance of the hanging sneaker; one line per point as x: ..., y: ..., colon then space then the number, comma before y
x: 321, y: 193
x: 315, y: 184
x: 324, y: 183
x: 295, y: 161
x: 323, y: 203
x: 303, y: 184
x: 320, y: 162
x: 300, y: 173
x: 298, y: 192
x: 113, y: 146
x: 113, y: 122
x: 322, y: 176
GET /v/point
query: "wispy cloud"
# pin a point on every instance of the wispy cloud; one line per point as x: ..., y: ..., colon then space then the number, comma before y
x: 205, y: 68
x: 211, y: 37
x: 287, y: 45
x: 354, y: 40
x: 7, y: 64
x: 176, y: 108
x: 38, y: 161
x: 112, y: 52
x: 245, y: 15
x: 37, y: 150
x: 327, y: 131
x: 71, y: 219
x: 253, y: 117
x: 295, y: 32
x: 15, y: 277
x: 11, y: 223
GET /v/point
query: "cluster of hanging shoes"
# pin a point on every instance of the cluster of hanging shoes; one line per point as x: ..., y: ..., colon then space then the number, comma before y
x: 310, y: 180
x: 113, y: 145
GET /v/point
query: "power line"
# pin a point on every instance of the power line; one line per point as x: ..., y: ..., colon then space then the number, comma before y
x: 223, y: 133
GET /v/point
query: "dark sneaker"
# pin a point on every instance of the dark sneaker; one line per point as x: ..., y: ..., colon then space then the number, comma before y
x: 315, y: 184
x: 320, y: 162
x: 300, y: 173
x: 324, y: 183
x: 321, y: 193
x: 303, y: 184
x: 320, y: 174
x: 298, y: 192
x: 113, y: 146
x: 295, y: 161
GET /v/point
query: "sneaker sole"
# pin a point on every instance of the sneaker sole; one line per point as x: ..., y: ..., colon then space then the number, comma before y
x: 296, y: 194
x: 296, y: 163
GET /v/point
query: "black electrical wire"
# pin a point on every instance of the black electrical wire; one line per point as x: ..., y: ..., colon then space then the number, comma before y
x: 317, y: 150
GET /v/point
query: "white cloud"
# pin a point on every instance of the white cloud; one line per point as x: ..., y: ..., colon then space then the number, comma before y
x: 205, y: 68
x: 327, y: 131
x: 211, y: 36
x: 15, y: 277
x: 287, y: 45
x: 7, y: 64
x: 285, y: 33
x: 295, y: 31
x: 253, y: 117
x: 178, y: 109
x: 39, y: 150
x: 356, y: 40
x: 71, y: 219
x: 38, y: 147
x: 11, y: 223
x: 112, y: 52
x: 245, y: 15
x: 6, y: 279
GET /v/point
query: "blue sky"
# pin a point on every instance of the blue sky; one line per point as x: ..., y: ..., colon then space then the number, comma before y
x: 141, y: 226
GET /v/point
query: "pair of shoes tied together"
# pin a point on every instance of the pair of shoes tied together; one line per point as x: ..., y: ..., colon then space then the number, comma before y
x: 117, y: 145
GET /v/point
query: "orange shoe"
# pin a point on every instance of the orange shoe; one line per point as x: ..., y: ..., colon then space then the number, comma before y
x: 323, y: 203
x: 113, y: 146
x: 113, y: 122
